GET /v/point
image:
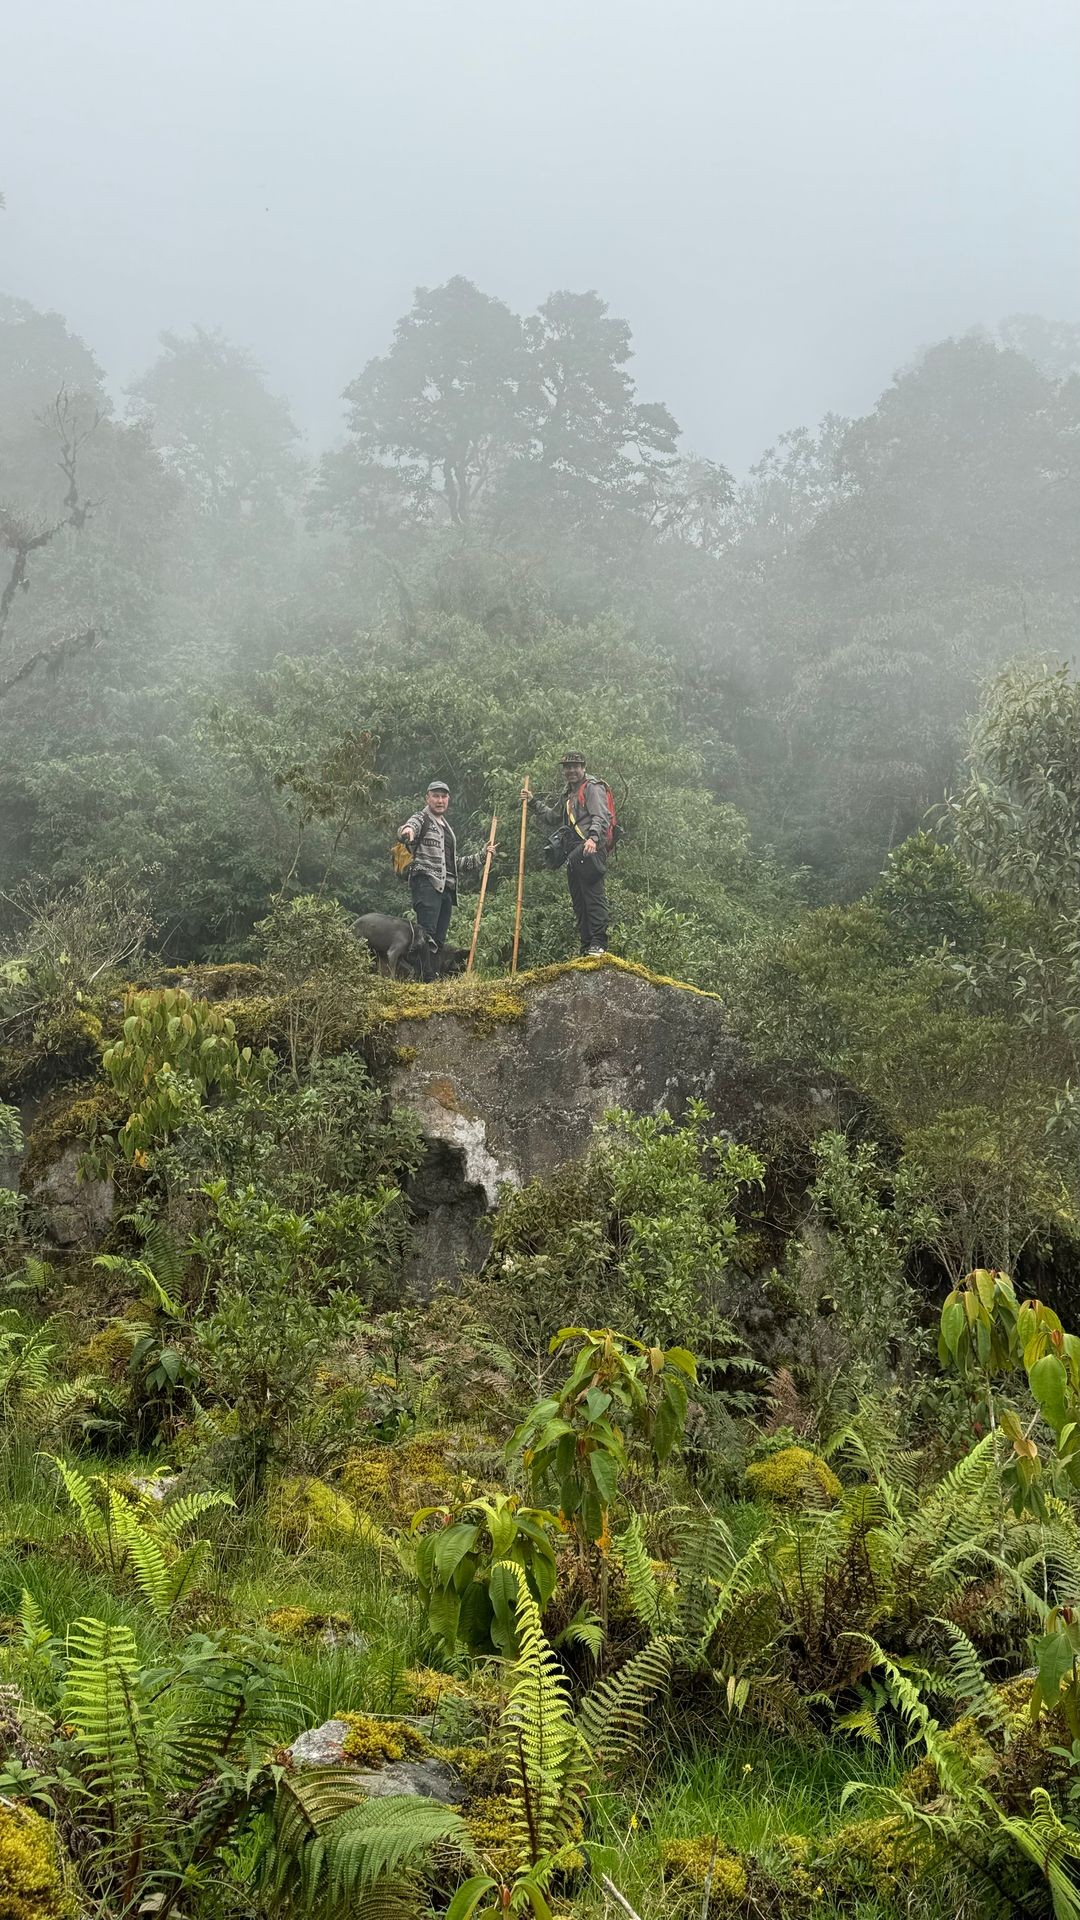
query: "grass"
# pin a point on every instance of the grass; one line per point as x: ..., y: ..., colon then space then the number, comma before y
x: 749, y: 1791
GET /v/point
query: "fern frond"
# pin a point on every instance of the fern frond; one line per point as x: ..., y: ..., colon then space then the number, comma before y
x: 1049, y: 1845
x: 80, y: 1491
x: 612, y: 1715
x: 99, y: 1702
x: 953, y: 1767
x: 540, y: 1739
x: 746, y: 1576
x: 151, y: 1568
x: 586, y: 1630
x: 173, y: 1516
x: 642, y: 1586
x: 385, y: 1836
x: 36, y: 1630
x: 966, y: 1677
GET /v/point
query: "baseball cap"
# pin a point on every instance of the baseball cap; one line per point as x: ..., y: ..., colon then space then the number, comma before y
x: 437, y: 786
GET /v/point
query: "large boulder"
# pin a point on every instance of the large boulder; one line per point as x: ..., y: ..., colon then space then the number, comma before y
x: 508, y: 1079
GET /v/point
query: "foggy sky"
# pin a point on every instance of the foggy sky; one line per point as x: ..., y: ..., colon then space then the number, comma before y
x: 785, y: 198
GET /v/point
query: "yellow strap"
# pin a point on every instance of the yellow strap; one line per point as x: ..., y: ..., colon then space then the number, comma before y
x: 401, y: 855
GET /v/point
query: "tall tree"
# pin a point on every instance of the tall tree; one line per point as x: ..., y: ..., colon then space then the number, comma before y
x: 445, y: 404
x: 230, y: 440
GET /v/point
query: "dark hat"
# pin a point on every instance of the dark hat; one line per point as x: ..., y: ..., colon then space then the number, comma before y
x: 437, y: 786
x: 573, y: 759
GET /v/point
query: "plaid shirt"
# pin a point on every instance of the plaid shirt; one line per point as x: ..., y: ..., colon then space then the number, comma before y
x: 435, y: 854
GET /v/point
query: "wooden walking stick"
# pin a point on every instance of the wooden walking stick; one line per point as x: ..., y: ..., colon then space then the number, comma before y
x: 521, y: 874
x: 483, y: 890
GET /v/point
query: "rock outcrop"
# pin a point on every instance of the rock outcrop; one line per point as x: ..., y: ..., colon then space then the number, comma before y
x: 508, y: 1083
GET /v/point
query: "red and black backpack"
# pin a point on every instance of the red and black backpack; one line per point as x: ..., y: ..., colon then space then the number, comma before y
x: 614, y: 832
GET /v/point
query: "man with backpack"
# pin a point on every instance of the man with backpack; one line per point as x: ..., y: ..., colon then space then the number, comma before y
x: 434, y: 867
x: 586, y: 832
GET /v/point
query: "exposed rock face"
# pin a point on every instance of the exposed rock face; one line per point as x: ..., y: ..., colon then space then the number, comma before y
x: 75, y: 1214
x: 504, y: 1103
x: 430, y: 1779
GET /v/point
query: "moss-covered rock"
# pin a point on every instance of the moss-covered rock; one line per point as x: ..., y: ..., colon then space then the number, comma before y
x: 309, y: 1512
x: 703, y: 1859
x: 372, y: 1743
x: 792, y: 1477
x: 32, y: 1879
x: 68, y: 1120
x: 299, y: 1626
x: 106, y: 1355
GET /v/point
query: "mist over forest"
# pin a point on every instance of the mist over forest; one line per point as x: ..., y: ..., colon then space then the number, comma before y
x: 509, y: 548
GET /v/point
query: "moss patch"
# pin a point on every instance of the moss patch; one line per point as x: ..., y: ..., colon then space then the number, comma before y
x: 68, y: 1121
x: 499, y: 1002
x: 298, y: 1625
x: 392, y: 1482
x: 793, y: 1476
x: 378, y: 1743
x: 31, y: 1876
x: 307, y: 1512
x: 705, y: 1860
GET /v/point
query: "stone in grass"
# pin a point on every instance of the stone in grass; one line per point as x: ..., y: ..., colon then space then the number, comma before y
x: 428, y: 1778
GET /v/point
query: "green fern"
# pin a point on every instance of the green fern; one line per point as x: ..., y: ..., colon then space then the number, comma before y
x: 642, y: 1585
x: 332, y: 1843
x: 99, y: 1703
x: 1049, y: 1845
x: 138, y: 1539
x: 541, y: 1742
x: 612, y: 1716
x: 966, y: 1676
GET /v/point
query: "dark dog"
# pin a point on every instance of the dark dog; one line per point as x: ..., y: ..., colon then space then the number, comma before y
x: 451, y: 960
x: 391, y: 940
x: 399, y: 946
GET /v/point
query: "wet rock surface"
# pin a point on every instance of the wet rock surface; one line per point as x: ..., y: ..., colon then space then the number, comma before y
x: 502, y: 1103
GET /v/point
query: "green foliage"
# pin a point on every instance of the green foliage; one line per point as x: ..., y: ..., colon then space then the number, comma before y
x: 172, y: 1052
x: 642, y: 1227
x: 34, y: 1397
x: 330, y: 1843
x: 576, y: 1441
x: 465, y: 1570
x: 135, y: 1537
x: 323, y: 972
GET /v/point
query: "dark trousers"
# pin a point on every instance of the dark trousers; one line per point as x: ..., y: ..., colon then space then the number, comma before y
x: 432, y: 910
x: 586, y: 875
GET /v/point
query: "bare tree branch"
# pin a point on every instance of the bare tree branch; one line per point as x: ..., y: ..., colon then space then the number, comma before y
x: 51, y: 657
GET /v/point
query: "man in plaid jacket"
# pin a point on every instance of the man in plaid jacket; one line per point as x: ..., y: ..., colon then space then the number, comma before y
x: 435, y: 869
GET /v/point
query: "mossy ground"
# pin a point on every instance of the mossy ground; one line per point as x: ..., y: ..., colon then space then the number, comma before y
x: 497, y: 1001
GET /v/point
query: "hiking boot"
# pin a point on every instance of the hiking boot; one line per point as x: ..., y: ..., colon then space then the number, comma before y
x: 594, y: 953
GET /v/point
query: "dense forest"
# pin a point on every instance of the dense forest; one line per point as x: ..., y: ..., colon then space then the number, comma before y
x: 713, y: 1547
